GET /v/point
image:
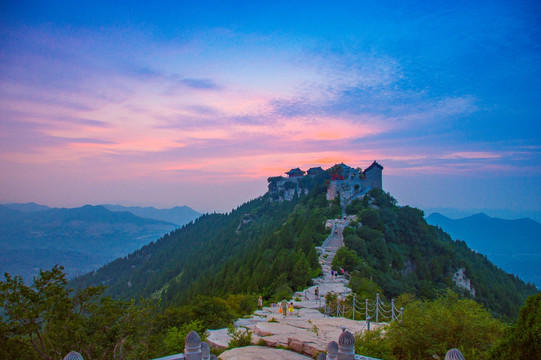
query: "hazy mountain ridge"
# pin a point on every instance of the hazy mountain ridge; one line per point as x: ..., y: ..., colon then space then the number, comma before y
x: 27, y: 207
x: 91, y: 234
x: 504, y: 214
x: 514, y: 245
x: 178, y: 215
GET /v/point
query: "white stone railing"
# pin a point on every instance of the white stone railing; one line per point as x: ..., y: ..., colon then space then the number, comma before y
x: 344, y: 349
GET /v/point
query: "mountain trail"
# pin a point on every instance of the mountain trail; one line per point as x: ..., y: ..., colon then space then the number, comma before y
x: 305, y: 330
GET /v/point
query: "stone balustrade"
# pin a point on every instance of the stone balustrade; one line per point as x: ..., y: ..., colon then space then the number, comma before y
x: 344, y: 349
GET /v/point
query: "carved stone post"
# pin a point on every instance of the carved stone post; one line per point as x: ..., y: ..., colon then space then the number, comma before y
x: 322, y: 356
x: 73, y: 355
x: 377, y: 307
x: 205, y: 351
x: 332, y: 350
x: 366, y: 309
x: 454, y: 354
x: 346, y: 346
x: 192, y: 349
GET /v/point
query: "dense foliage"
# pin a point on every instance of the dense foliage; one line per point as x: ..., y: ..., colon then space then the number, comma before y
x: 397, y: 249
x: 431, y: 328
x: 47, y: 321
x: 522, y: 341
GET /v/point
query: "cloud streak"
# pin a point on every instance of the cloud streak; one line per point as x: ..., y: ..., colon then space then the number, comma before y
x: 224, y: 103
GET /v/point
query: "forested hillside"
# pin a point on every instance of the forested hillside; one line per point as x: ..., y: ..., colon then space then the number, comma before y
x: 268, y: 248
x: 260, y: 247
x: 514, y: 245
x: 401, y: 253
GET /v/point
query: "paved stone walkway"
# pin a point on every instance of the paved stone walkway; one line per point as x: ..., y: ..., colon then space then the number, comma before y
x: 306, y: 330
x: 261, y: 353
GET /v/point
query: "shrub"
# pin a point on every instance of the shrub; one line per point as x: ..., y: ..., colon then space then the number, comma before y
x: 431, y: 328
x: 176, y: 336
x: 374, y: 344
x: 239, y: 337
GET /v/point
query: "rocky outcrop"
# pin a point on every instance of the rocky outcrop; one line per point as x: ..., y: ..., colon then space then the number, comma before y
x: 462, y: 281
x: 309, y: 334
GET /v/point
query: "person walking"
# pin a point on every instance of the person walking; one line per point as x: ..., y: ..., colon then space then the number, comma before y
x: 260, y: 302
x: 283, y: 307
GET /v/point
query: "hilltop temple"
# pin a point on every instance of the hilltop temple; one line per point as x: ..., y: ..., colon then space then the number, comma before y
x: 347, y: 182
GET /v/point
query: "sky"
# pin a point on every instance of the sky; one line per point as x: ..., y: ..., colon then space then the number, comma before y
x: 197, y: 103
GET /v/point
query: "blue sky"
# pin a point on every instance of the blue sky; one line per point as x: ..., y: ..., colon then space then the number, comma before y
x: 197, y: 103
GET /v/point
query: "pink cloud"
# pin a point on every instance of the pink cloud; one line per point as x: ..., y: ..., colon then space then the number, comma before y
x: 472, y: 155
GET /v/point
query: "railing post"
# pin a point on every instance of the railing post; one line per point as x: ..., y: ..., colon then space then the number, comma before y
x: 368, y: 323
x: 366, y: 309
x: 353, y: 306
x: 205, y: 351
x: 377, y: 308
x: 401, y: 314
x: 392, y: 310
x: 192, y: 348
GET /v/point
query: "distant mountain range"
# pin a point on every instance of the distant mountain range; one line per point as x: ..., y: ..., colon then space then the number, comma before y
x: 179, y: 215
x: 81, y: 239
x: 513, y: 245
x: 28, y: 207
x: 495, y: 213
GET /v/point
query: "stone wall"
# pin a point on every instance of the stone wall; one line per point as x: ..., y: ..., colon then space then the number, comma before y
x: 374, y: 177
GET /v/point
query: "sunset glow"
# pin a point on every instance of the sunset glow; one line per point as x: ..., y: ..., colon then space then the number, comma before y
x: 105, y: 104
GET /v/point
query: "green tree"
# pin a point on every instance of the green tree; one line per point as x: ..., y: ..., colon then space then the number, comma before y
x: 522, y: 341
x: 370, y: 218
x: 364, y: 288
x: 175, y: 337
x: 213, y: 312
x: 47, y: 321
x: 346, y: 259
x: 431, y: 328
